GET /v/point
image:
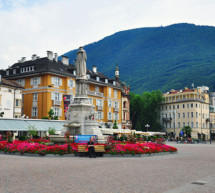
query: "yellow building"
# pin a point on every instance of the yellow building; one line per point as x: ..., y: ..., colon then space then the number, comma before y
x: 187, y: 107
x: 49, y: 83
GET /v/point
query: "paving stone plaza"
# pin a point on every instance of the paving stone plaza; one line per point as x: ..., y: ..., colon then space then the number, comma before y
x: 191, y: 170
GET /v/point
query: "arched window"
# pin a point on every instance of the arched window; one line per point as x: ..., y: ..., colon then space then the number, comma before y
x: 124, y: 104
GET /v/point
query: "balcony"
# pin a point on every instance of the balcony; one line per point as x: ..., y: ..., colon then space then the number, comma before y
x: 99, y: 108
x: 116, y: 109
x: 34, y: 104
x: 167, y: 119
x: 57, y: 103
x: 93, y: 93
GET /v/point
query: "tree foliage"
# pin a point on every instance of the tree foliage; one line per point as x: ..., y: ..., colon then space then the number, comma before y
x: 187, y: 130
x: 145, y: 110
x: 163, y: 58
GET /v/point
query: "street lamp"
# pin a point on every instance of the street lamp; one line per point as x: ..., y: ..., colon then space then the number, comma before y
x: 147, y: 126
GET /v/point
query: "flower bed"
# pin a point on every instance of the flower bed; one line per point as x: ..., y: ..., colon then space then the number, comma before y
x: 115, y: 148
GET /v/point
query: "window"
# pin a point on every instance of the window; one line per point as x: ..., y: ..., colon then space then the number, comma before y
x: 18, y: 103
x: 88, y: 87
x: 203, y: 125
x: 191, y: 105
x: 191, y: 114
x: 183, y: 106
x: 0, y: 100
x: 203, y: 115
x: 35, y: 81
x: 74, y: 72
x: 183, y: 115
x: 70, y: 83
x: 183, y: 124
x: 169, y: 106
x: 96, y: 88
x: 187, y: 105
x: 7, y: 72
x: 177, y: 106
x: 166, y: 107
x: 192, y: 124
x: 109, y: 92
x: 97, y: 78
x: 34, y: 112
x: 14, y: 71
x: 197, y: 125
x: 91, y: 100
x: 109, y: 116
x: 173, y: 106
x: 100, y: 114
x: 99, y: 102
x: 115, y: 93
x: 106, y: 80
x: 178, y: 115
x: 109, y: 103
x: 21, y: 82
x: 196, y: 114
x: 56, y: 96
x: 188, y: 115
x: 196, y: 105
x: 116, y: 116
x: 88, y: 76
x: 203, y: 106
x: 116, y: 105
x: 179, y: 125
x: 114, y: 83
x: 56, y: 81
x: 35, y: 96
x: 188, y: 123
x: 56, y: 111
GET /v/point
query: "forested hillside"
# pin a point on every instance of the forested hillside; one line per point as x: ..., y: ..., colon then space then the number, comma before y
x: 157, y: 58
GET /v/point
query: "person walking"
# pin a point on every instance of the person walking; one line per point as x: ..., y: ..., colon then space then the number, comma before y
x: 91, y: 148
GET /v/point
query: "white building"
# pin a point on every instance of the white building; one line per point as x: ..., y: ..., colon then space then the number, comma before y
x: 10, y: 98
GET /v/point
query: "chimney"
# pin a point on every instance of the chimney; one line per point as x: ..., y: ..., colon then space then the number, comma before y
x: 23, y: 59
x: 34, y: 57
x: 94, y: 68
x: 56, y: 57
x: 65, y: 60
x: 50, y: 55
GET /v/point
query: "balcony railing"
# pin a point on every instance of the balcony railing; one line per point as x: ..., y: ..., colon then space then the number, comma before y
x: 167, y: 119
x: 125, y: 109
x: 93, y: 93
x: 184, y: 100
x: 99, y: 108
x: 57, y: 103
x: 116, y: 109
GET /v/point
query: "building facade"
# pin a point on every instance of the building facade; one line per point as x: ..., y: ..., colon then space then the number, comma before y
x: 186, y: 107
x: 50, y: 84
x: 10, y: 98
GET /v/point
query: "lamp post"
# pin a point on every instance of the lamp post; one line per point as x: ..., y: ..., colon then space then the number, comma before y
x: 147, y: 126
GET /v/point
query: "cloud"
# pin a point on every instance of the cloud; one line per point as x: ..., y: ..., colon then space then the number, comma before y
x: 33, y: 27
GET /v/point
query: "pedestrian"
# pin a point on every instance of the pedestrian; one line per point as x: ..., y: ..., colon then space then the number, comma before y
x: 0, y: 137
x: 177, y: 139
x: 91, y: 148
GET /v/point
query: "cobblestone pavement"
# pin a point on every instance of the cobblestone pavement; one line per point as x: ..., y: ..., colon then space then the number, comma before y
x: 191, y: 170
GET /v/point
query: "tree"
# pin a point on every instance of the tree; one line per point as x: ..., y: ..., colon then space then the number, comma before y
x: 32, y: 131
x: 187, y: 130
x: 51, y: 115
x: 115, y: 126
x: 51, y: 131
x: 1, y: 114
x: 145, y: 109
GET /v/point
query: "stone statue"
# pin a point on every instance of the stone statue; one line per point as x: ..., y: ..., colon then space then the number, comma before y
x: 81, y: 63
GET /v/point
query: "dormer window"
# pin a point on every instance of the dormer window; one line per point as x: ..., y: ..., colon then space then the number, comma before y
x: 14, y: 71
x: 88, y: 76
x: 27, y: 69
x: 7, y: 72
x: 106, y: 80
x: 74, y: 72
x: 97, y: 78
x: 114, y: 83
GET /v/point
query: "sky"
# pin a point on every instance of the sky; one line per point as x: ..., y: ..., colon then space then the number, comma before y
x: 30, y: 27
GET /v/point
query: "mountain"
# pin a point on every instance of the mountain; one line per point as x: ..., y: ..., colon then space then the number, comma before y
x: 157, y: 57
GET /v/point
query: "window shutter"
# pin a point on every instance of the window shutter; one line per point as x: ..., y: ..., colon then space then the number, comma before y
x: 113, y: 103
x: 60, y: 81
x: 52, y: 96
x: 102, y: 103
x: 73, y: 84
x: 52, y: 80
x: 32, y: 112
x: 39, y: 80
x: 102, y: 116
x: 23, y: 82
x: 60, y: 97
x: 60, y: 112
x: 68, y: 83
x: 31, y: 81
x: 97, y: 102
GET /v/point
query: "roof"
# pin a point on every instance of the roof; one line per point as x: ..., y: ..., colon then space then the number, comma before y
x: 44, y: 65
x: 10, y: 83
x: 23, y: 124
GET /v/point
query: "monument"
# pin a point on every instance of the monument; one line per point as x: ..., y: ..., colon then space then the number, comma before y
x: 81, y: 114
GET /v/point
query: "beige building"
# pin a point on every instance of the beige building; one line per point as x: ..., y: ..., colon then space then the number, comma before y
x: 187, y: 107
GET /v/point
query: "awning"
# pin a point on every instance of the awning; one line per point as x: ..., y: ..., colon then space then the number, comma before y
x: 23, y: 124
